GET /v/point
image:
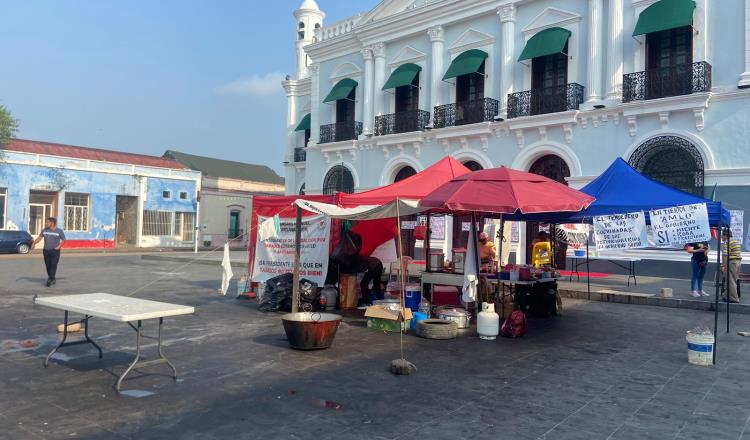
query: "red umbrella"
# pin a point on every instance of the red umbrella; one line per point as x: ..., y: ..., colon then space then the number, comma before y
x: 505, y: 191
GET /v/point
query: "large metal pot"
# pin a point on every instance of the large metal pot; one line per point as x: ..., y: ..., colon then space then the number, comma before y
x: 459, y: 316
x: 310, y: 330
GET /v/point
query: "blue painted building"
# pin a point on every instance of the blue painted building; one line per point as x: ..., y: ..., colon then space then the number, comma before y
x: 101, y: 198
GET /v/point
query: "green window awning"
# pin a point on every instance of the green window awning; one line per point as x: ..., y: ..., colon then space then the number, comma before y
x: 341, y: 90
x: 547, y: 42
x: 304, y: 124
x: 403, y: 76
x: 664, y: 15
x: 466, y: 63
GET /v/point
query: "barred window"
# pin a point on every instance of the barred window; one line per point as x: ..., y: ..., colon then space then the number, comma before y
x: 3, y: 202
x: 77, y: 212
x: 157, y: 223
x: 184, y: 226
x: 166, y: 194
x: 183, y: 195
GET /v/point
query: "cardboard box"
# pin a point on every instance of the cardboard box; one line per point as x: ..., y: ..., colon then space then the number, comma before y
x: 380, y: 318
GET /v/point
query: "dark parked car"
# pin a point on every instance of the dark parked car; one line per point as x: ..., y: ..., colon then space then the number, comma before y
x: 15, y: 241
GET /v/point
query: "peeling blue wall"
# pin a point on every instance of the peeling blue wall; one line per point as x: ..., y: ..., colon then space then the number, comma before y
x: 102, y: 187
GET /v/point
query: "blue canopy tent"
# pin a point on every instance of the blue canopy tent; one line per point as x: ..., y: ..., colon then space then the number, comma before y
x: 620, y: 190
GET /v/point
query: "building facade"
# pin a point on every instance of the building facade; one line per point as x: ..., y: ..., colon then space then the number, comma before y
x: 227, y: 191
x: 102, y: 199
x: 556, y: 87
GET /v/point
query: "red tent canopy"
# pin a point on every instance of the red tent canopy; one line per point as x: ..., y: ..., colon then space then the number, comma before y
x: 505, y: 191
x: 414, y: 187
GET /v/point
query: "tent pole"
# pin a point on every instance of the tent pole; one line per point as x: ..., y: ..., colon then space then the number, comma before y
x: 588, y: 270
x: 726, y: 276
x: 427, y: 245
x: 502, y: 241
x: 718, y: 286
x: 297, y: 247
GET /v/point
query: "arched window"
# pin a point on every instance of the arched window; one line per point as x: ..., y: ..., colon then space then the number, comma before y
x: 302, y: 190
x: 673, y: 161
x: 338, y: 179
x: 473, y: 165
x: 301, y: 33
x: 552, y: 167
x: 404, y: 173
x: 317, y: 25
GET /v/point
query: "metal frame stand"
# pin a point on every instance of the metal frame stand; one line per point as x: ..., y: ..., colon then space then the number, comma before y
x: 136, y: 364
x: 64, y: 343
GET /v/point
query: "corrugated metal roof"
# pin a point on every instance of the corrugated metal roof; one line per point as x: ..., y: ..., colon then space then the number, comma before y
x: 227, y: 168
x: 75, y: 152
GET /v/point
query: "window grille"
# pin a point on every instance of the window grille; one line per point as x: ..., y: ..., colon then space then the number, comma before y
x: 77, y: 212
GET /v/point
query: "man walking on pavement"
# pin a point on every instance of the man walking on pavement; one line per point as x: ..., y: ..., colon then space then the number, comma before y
x: 733, y: 258
x: 54, y: 238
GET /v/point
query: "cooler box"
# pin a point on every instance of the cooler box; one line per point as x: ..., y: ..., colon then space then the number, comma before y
x: 445, y: 296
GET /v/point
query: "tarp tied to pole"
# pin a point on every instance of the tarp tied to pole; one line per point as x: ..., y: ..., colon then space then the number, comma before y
x: 366, y: 212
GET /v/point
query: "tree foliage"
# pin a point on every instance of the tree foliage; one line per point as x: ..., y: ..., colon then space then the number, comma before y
x: 8, y: 125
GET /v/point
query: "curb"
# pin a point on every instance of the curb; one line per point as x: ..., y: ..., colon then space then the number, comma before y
x: 674, y: 303
x: 205, y: 262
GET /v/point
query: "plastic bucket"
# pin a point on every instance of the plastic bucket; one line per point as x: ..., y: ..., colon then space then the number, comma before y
x: 418, y: 316
x: 579, y: 253
x: 700, y: 349
x: 413, y: 297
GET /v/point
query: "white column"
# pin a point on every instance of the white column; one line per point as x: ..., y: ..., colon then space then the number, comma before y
x: 615, y: 51
x: 314, y: 70
x: 745, y: 78
x: 594, y: 77
x: 507, y: 14
x: 367, y: 103
x: 437, y: 36
x: 378, y: 51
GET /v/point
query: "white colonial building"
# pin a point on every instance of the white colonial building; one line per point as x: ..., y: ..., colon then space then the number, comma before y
x: 557, y: 87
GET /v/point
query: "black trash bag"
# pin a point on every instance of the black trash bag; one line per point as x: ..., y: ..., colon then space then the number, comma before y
x: 309, y: 295
x: 278, y: 294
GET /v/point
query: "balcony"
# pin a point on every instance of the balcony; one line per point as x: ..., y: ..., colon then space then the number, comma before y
x: 300, y: 155
x: 683, y: 79
x: 546, y: 100
x: 340, y: 131
x: 402, y: 122
x: 467, y: 112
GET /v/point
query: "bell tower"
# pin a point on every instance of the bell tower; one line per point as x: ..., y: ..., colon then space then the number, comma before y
x: 308, y: 18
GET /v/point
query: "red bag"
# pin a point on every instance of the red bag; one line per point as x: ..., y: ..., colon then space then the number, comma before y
x: 515, y: 326
x: 420, y: 232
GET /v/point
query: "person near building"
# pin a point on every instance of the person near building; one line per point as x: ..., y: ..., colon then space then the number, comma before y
x: 698, y: 263
x: 54, y: 238
x: 350, y: 260
x: 732, y: 254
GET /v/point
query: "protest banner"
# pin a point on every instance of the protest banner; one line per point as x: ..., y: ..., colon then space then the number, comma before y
x: 738, y: 225
x: 275, y: 256
x: 675, y: 227
x: 621, y: 231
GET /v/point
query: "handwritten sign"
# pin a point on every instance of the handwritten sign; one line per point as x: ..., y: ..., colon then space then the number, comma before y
x: 680, y: 225
x: 437, y: 228
x: 621, y: 231
x: 738, y: 225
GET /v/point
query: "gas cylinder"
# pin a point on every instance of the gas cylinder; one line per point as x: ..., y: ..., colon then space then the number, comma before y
x: 488, y: 322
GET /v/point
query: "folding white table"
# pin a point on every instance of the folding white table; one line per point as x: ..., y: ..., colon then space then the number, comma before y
x: 120, y: 309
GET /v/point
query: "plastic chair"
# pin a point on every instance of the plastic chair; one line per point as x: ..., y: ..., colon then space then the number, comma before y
x: 541, y: 254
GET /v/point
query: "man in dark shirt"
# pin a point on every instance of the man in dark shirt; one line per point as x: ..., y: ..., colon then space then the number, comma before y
x: 54, y: 238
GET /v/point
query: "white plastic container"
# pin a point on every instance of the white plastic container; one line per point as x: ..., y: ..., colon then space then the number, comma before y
x: 331, y: 295
x: 488, y: 322
x: 700, y: 349
x: 514, y: 275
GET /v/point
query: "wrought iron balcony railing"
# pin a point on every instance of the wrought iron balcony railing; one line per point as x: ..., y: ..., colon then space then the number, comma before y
x: 467, y: 112
x: 300, y: 155
x: 682, y: 79
x: 340, y: 131
x: 402, y: 122
x: 545, y: 100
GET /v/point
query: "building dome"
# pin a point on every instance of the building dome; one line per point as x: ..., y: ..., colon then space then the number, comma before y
x: 309, y: 4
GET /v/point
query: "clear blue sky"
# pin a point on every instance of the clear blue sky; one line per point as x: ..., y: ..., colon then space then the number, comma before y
x: 199, y: 76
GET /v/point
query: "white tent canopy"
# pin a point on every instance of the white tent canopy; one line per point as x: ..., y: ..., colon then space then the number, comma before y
x: 394, y: 209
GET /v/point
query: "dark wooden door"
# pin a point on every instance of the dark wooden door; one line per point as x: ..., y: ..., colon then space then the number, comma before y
x: 549, y: 79
x: 669, y: 59
x: 470, y: 97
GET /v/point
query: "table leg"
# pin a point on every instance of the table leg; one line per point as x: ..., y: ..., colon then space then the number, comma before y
x: 137, y: 363
x: 65, y: 343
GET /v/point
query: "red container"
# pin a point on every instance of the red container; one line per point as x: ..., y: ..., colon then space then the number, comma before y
x: 524, y: 274
x: 445, y: 296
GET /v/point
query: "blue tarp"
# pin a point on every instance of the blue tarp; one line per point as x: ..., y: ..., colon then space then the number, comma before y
x: 620, y: 190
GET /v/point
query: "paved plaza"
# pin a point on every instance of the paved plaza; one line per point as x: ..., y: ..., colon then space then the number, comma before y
x: 599, y: 371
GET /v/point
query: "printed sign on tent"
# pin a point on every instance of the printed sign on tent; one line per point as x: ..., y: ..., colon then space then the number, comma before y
x: 275, y: 256
x: 675, y: 227
x: 621, y: 231
x: 738, y: 225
